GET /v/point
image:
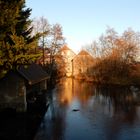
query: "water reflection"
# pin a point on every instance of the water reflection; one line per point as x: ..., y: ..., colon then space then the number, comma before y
x: 118, y: 105
x: 80, y: 110
x: 119, y: 100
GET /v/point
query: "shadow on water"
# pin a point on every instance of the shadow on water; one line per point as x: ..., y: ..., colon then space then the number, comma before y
x: 80, y: 110
x: 23, y: 125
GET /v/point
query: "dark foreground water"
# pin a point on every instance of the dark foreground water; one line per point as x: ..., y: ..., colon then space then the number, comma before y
x: 82, y: 111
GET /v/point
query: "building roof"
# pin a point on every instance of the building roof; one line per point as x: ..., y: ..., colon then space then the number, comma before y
x: 65, y: 47
x: 83, y: 52
x: 33, y: 73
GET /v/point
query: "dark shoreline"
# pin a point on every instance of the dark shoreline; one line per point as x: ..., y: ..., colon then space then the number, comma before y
x: 21, y: 126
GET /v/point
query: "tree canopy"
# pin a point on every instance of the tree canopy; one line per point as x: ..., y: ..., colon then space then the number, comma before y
x: 116, y: 57
x: 51, y: 40
x: 15, y: 35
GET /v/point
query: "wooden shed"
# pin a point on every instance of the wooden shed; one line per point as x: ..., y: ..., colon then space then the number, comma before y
x: 15, y: 86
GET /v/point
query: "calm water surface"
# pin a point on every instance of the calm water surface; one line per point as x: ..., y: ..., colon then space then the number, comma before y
x: 82, y: 111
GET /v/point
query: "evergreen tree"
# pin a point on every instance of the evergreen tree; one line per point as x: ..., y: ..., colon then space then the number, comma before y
x: 23, y: 25
x: 14, y: 17
x: 15, y: 39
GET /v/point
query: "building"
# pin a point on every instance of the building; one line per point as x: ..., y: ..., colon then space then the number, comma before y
x: 16, y: 85
x: 68, y: 56
x: 82, y: 64
x: 69, y: 64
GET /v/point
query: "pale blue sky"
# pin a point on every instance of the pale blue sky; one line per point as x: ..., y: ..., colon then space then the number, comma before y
x: 85, y: 20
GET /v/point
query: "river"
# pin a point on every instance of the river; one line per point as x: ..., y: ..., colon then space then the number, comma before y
x: 83, y: 111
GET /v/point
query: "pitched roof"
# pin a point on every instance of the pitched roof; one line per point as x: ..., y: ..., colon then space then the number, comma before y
x: 65, y: 47
x: 33, y: 73
x: 83, y: 55
x: 83, y: 52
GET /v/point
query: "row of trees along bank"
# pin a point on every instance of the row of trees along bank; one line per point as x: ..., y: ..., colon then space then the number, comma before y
x: 23, y: 41
x: 116, y: 57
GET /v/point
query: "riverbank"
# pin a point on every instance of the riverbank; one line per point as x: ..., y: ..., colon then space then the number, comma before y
x: 110, y: 82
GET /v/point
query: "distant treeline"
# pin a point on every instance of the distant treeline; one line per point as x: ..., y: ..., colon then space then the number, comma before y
x: 116, y: 57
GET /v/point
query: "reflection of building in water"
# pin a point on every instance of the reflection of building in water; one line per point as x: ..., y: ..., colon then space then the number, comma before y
x: 83, y: 91
x: 66, y: 96
x: 74, y: 89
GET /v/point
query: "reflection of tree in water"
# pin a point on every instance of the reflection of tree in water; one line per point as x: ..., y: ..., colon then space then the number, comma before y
x: 58, y: 123
x: 70, y: 89
x: 124, y: 109
x: 108, y: 109
x: 121, y: 99
x: 83, y: 91
x: 53, y: 125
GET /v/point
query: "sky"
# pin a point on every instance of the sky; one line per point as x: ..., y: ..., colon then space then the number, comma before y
x: 84, y: 21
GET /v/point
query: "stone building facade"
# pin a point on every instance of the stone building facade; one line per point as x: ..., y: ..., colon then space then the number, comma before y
x: 76, y: 65
x: 68, y: 55
x: 82, y: 64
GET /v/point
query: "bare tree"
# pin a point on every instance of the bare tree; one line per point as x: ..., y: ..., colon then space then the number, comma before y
x: 51, y: 39
x: 56, y: 41
x: 117, y: 54
x: 41, y: 28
